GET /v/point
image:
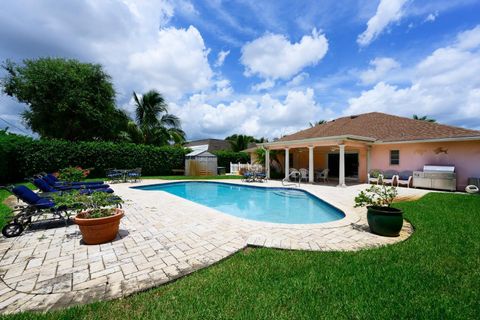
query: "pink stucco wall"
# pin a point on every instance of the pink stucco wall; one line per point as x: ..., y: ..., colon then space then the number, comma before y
x: 465, y: 156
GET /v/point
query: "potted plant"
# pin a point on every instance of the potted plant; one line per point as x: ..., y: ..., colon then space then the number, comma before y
x: 98, y: 215
x: 382, y: 219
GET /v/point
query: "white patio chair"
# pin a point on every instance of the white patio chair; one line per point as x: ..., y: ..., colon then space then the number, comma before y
x: 404, y: 178
x: 323, y: 175
x: 389, y: 177
x: 372, y: 179
x: 303, y: 174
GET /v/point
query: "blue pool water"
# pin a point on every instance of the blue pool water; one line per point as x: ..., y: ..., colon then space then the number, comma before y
x: 279, y: 205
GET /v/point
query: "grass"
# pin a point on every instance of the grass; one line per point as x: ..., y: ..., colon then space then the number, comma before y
x: 433, y: 275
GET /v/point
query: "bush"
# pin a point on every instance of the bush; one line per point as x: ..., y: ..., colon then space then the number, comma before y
x: 22, y: 157
x: 73, y: 174
x: 224, y: 157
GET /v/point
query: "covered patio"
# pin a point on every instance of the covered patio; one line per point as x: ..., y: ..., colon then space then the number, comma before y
x: 347, y: 157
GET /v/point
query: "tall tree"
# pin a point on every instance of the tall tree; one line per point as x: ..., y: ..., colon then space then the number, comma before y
x: 66, y: 99
x: 424, y: 118
x: 153, y: 124
x: 274, y: 158
x: 239, y: 142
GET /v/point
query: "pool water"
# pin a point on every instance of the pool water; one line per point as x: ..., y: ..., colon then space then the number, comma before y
x: 278, y: 205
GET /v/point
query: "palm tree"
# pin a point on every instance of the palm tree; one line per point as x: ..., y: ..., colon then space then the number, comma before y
x: 424, y: 118
x: 317, y: 123
x: 239, y: 142
x: 153, y: 124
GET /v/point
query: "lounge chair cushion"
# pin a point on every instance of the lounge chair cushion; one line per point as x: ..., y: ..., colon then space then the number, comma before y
x: 26, y: 194
x: 32, y: 198
x: 44, y: 203
x: 52, y: 177
x: 43, y: 185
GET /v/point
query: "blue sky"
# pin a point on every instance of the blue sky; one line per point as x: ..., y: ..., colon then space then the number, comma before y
x: 264, y: 68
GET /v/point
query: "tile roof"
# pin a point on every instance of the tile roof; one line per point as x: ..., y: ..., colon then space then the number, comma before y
x: 383, y: 127
x: 213, y: 144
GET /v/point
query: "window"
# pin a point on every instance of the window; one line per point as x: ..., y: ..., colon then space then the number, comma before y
x: 394, y: 157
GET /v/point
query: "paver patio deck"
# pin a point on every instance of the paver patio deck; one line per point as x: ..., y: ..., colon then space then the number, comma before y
x: 162, y: 237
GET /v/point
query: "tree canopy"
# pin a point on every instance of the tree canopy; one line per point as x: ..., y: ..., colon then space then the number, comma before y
x: 313, y: 124
x: 153, y: 124
x: 66, y: 99
x: 424, y: 118
x: 240, y: 142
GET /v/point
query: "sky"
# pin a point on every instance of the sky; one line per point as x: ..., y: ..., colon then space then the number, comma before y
x: 258, y: 67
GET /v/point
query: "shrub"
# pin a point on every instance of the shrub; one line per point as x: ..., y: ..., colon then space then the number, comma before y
x: 22, y: 157
x: 224, y: 157
x: 73, y: 174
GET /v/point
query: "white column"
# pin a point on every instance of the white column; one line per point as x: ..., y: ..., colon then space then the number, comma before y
x: 287, y: 162
x: 369, y: 148
x: 267, y: 163
x: 341, y: 167
x: 311, y: 169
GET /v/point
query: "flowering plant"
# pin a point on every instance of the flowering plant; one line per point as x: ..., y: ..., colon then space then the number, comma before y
x: 376, y: 196
x: 73, y: 174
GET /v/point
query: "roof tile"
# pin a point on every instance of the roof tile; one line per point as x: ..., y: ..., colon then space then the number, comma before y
x: 383, y: 127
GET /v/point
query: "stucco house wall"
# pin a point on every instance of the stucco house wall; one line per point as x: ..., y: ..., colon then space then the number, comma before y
x: 464, y: 155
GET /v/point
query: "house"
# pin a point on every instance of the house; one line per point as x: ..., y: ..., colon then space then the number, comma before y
x: 209, y: 145
x: 352, y: 146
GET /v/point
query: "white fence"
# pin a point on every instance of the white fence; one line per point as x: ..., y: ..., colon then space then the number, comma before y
x: 236, y: 168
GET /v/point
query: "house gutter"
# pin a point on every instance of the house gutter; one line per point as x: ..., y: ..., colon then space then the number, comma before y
x: 313, y: 140
x: 472, y: 138
x: 368, y: 140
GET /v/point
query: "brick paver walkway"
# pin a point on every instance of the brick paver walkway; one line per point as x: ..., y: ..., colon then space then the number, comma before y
x: 162, y: 237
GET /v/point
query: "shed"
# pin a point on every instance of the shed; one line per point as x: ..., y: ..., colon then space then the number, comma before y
x: 200, y: 162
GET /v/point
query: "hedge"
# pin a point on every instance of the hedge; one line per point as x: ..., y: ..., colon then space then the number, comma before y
x: 224, y: 157
x: 22, y: 157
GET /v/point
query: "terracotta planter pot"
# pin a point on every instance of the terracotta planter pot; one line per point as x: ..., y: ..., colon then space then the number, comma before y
x: 100, y: 230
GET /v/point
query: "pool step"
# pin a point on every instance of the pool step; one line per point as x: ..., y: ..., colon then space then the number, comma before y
x: 291, y: 194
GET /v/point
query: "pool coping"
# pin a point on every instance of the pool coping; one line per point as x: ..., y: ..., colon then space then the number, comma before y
x: 350, y: 217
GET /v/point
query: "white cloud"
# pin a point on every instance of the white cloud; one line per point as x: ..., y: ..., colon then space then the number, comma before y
x: 469, y: 39
x: 298, y: 79
x: 221, y: 58
x: 380, y: 68
x: 175, y: 64
x: 431, y: 17
x: 267, y: 84
x: 255, y: 115
x: 445, y: 85
x: 273, y: 56
x: 388, y: 11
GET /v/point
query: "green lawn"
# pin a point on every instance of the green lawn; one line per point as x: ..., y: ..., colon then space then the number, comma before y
x: 433, y: 275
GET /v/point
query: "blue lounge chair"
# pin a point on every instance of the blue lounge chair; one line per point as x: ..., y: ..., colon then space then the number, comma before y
x: 36, y: 206
x: 45, y: 187
x: 75, y: 187
x: 54, y: 181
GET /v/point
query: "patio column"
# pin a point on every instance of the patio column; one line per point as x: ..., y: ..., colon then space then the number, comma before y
x: 341, y: 167
x: 267, y: 163
x: 287, y: 162
x: 369, y: 148
x: 311, y: 173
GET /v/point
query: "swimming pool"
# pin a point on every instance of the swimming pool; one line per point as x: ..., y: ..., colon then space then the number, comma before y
x: 278, y: 205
